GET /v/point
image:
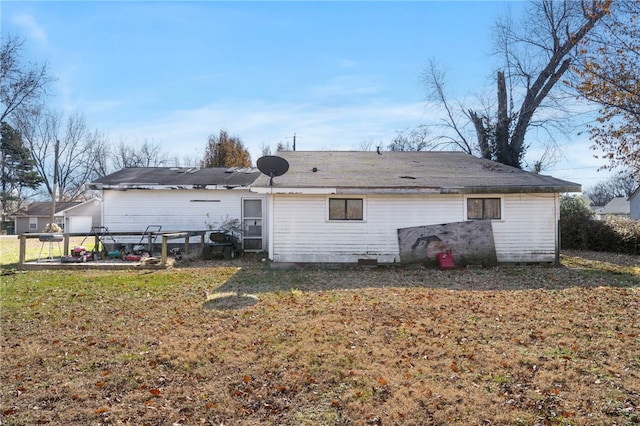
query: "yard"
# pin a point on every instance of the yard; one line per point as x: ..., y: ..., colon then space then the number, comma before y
x: 236, y: 342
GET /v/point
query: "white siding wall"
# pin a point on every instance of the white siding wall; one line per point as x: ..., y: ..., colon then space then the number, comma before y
x: 92, y: 208
x: 301, y: 231
x: 635, y: 205
x: 528, y: 231
x: 174, y: 210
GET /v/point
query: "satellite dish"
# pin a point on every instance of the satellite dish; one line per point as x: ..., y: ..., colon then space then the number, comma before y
x: 272, y: 166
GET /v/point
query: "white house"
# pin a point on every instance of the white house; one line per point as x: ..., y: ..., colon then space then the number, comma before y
x: 348, y: 207
x: 634, y: 204
x: 82, y: 217
x: 183, y: 199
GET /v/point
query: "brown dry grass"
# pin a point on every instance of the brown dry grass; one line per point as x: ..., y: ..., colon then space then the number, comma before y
x: 214, y: 344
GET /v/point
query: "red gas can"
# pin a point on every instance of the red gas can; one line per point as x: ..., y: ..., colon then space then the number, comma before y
x: 445, y: 261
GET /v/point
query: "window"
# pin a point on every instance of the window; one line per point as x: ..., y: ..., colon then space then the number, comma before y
x: 483, y: 208
x: 345, y: 209
x: 33, y: 223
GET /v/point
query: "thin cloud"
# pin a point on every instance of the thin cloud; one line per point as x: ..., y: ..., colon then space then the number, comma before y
x: 346, y: 86
x: 32, y: 28
x: 260, y: 123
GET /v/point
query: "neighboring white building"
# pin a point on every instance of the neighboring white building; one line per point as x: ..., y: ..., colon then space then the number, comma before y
x: 183, y: 199
x: 618, y: 207
x: 347, y: 207
x: 634, y: 204
x: 83, y: 217
x: 72, y: 217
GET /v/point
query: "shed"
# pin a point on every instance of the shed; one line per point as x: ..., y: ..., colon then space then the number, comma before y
x: 183, y: 199
x: 350, y: 207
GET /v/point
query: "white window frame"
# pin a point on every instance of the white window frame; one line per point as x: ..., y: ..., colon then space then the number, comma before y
x: 33, y: 224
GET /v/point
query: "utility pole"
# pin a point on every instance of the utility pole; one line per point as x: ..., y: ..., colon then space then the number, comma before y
x: 55, y: 183
x: 5, y: 157
x: 294, y: 141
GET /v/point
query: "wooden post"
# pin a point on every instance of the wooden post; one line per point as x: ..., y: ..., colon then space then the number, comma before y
x: 23, y: 247
x: 163, y: 260
x: 558, y: 243
x: 186, y: 245
x: 65, y: 246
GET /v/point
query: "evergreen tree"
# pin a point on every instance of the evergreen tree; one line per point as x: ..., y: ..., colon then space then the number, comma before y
x: 18, y: 172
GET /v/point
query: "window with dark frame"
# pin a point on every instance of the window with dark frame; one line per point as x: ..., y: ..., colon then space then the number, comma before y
x: 346, y: 209
x: 483, y: 208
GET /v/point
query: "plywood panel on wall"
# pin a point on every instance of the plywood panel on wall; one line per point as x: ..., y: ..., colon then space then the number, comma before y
x: 468, y: 242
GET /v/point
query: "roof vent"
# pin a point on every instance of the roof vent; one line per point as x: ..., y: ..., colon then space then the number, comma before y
x: 186, y: 170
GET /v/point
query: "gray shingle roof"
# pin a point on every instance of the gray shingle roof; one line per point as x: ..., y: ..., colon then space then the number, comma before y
x: 428, y: 171
x: 618, y: 205
x: 177, y: 177
x: 43, y: 208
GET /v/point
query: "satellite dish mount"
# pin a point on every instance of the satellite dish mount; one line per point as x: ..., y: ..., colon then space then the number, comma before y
x: 272, y: 166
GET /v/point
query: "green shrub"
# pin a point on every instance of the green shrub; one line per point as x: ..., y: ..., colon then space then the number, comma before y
x: 579, y: 230
x: 574, y: 223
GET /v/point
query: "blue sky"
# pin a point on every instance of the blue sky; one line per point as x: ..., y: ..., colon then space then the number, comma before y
x: 337, y: 74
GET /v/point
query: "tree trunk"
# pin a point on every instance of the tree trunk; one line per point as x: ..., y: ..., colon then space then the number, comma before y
x: 481, y: 131
x: 504, y: 153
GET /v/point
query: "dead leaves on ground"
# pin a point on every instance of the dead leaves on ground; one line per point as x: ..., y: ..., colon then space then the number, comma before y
x: 398, y: 351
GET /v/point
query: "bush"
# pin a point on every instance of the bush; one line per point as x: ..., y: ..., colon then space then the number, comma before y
x: 626, y: 235
x: 579, y: 230
x: 574, y: 223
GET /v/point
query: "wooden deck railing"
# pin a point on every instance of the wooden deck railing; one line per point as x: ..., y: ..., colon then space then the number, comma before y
x: 100, y: 239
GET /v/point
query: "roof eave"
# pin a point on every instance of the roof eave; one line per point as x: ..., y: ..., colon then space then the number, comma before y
x: 418, y: 190
x: 520, y: 189
x: 150, y: 186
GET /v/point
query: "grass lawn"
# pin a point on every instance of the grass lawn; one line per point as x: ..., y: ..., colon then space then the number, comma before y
x: 240, y: 343
x: 9, y: 249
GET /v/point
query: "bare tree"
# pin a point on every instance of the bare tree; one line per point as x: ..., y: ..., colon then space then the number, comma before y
x: 265, y: 149
x: 536, y: 55
x: 101, y: 153
x: 416, y: 139
x: 184, y: 161
x: 368, y: 145
x: 76, y: 160
x: 145, y: 154
x: 22, y: 86
x: 620, y: 185
x: 455, y: 134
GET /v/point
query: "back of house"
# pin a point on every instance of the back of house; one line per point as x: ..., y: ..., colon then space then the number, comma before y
x: 390, y: 207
